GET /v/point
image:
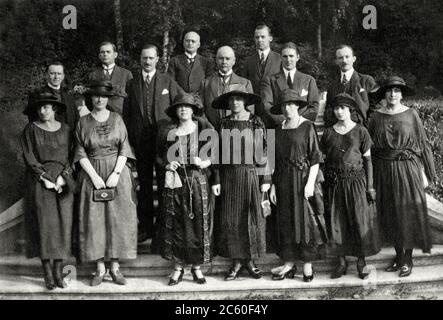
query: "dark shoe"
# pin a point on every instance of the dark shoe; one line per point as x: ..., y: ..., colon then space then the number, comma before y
x: 173, y: 282
x: 97, y: 279
x: 361, y: 268
x: 290, y: 274
x: 253, y: 271
x: 197, y: 279
x: 405, y: 270
x: 57, y: 272
x: 117, y: 277
x: 310, y: 277
x: 340, y: 271
x: 234, y: 271
x: 394, y: 266
x: 49, y: 279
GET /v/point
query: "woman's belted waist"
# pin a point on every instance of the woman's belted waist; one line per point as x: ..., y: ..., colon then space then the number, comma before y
x: 298, y: 164
x: 396, y: 155
x: 332, y: 175
x: 98, y: 156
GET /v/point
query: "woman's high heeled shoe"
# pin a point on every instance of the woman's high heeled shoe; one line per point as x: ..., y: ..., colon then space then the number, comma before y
x: 341, y: 270
x: 290, y: 274
x: 196, y: 278
x: 310, y: 277
x: 360, y: 268
x: 234, y: 271
x: 253, y: 271
x: 48, y: 276
x: 173, y: 282
x: 57, y: 272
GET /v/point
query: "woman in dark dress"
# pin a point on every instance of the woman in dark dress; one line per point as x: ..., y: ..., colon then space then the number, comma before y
x: 107, y: 229
x: 186, y: 222
x: 46, y: 145
x: 349, y: 188
x: 403, y: 165
x: 300, y: 223
x: 239, y: 179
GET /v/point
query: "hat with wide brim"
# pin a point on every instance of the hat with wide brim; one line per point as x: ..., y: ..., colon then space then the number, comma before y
x: 101, y: 88
x: 391, y: 82
x: 222, y: 102
x: 286, y: 96
x: 344, y: 99
x: 185, y: 99
x: 43, y: 98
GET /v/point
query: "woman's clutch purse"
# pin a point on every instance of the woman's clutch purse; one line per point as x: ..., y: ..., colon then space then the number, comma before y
x: 266, y: 205
x: 102, y: 195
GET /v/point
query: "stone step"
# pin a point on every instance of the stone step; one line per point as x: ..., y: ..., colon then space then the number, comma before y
x: 148, y: 265
x: 425, y: 282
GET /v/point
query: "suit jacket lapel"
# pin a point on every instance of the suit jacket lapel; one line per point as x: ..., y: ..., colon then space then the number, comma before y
x: 281, y: 81
x: 214, y: 85
x: 269, y: 62
x: 138, y: 91
x: 184, y: 62
x: 353, y: 83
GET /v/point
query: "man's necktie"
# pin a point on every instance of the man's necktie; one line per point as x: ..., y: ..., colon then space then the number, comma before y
x: 148, y: 80
x: 107, y: 74
x: 224, y: 77
x: 344, y: 81
x: 262, y: 64
x: 262, y: 58
x: 191, y: 61
x: 289, y: 80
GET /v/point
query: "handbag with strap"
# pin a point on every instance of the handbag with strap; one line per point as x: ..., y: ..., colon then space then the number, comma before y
x: 103, y: 195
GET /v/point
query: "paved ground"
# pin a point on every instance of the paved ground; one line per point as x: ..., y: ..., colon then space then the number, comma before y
x: 426, y: 282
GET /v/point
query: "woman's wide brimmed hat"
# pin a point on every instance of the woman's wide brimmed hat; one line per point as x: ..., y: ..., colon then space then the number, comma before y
x: 101, y: 88
x: 344, y: 99
x: 45, y: 97
x: 289, y: 95
x: 391, y: 82
x: 187, y: 99
x: 222, y: 102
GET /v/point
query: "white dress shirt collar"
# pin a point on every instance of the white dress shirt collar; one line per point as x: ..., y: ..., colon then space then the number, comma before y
x: 291, y: 72
x: 266, y: 53
x: 54, y: 87
x: 348, y: 74
x: 151, y: 75
x: 191, y: 56
x: 109, y: 68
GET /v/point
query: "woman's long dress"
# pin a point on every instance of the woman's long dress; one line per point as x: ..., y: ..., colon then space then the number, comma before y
x: 301, y: 229
x: 48, y: 214
x: 106, y: 229
x: 241, y: 232
x: 186, y: 236
x: 353, y: 219
x: 401, y: 151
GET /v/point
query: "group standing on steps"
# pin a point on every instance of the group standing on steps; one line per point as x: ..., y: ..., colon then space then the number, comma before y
x: 358, y: 187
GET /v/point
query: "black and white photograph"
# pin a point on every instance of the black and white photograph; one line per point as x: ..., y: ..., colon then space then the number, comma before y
x: 221, y: 150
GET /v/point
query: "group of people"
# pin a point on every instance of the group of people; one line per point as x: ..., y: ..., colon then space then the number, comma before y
x: 360, y: 185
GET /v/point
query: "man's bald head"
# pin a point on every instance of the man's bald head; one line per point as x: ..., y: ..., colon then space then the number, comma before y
x: 225, y: 59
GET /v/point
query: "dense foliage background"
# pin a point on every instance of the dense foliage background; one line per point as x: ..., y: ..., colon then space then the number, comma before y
x: 407, y: 42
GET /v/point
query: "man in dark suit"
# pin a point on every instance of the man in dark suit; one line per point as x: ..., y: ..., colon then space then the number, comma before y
x: 149, y: 94
x: 289, y: 77
x: 264, y: 62
x: 55, y: 75
x: 223, y: 81
x: 108, y: 70
x: 349, y: 81
x: 190, y: 69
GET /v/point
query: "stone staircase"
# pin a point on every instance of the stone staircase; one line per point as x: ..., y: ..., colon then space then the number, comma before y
x: 147, y: 279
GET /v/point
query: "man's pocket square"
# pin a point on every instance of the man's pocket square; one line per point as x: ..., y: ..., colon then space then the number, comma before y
x: 165, y: 91
x: 303, y: 93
